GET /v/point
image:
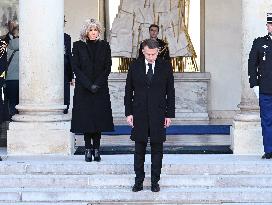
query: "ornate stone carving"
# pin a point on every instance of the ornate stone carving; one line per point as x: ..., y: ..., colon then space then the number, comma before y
x: 131, y: 24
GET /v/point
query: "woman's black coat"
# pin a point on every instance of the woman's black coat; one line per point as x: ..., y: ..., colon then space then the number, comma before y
x: 91, y: 111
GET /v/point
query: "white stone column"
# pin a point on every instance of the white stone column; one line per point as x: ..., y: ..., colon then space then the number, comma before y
x: 246, y: 132
x: 40, y: 127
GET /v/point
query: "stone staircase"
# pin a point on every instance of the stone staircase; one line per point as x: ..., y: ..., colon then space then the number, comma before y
x: 183, y: 139
x: 185, y: 179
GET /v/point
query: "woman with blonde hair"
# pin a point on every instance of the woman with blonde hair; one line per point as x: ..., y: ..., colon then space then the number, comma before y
x: 91, y: 63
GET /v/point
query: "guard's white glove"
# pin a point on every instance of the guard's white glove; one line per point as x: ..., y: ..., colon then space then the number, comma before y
x: 256, y: 91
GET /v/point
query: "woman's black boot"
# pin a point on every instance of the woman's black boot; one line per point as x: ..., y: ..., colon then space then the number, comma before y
x: 96, y: 155
x: 88, y: 155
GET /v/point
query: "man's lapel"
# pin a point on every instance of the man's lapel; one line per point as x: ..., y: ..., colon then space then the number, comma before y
x: 142, y: 69
x: 156, y: 71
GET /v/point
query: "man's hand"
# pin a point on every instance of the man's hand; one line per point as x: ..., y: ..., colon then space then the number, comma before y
x: 256, y: 91
x: 130, y: 120
x: 167, y: 122
x: 94, y: 88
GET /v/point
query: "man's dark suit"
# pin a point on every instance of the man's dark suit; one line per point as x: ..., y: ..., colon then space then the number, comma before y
x: 150, y: 104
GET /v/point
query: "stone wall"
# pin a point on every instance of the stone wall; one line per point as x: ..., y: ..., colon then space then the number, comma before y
x: 191, y: 96
x: 76, y: 12
x: 223, y: 29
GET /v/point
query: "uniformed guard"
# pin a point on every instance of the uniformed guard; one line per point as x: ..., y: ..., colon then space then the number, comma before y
x: 163, y: 46
x: 68, y: 72
x: 260, y: 79
x: 3, y: 67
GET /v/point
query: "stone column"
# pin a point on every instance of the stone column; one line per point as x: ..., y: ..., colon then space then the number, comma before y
x: 107, y: 20
x: 101, y: 16
x: 246, y: 133
x: 40, y: 127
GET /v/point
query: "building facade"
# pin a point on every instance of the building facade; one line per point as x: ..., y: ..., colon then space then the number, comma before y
x: 228, y: 28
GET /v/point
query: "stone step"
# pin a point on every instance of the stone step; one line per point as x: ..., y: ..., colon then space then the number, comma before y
x: 122, y: 203
x: 180, y: 164
x: 118, y: 203
x: 109, y: 181
x: 171, y: 140
x: 42, y: 203
x: 114, y: 150
x: 123, y: 195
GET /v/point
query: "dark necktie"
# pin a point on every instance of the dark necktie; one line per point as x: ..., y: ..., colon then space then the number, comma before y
x: 149, y: 72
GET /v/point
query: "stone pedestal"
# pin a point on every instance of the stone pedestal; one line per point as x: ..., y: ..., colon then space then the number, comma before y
x: 36, y: 138
x: 191, y: 91
x: 246, y: 138
x: 246, y: 133
x: 40, y: 127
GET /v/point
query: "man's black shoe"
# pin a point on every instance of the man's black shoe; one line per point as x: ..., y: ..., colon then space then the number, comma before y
x: 65, y: 111
x: 96, y: 155
x: 88, y: 155
x: 137, y: 187
x: 155, y: 187
x: 267, y: 156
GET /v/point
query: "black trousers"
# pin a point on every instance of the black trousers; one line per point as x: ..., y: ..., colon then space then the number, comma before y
x: 1, y: 105
x: 156, y: 161
x: 67, y: 93
x: 4, y: 108
x: 12, y: 95
x: 95, y: 137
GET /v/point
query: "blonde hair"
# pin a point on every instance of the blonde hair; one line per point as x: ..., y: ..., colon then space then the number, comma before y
x: 86, y: 27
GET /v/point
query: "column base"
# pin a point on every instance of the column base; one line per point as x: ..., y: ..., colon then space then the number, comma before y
x: 246, y: 137
x: 40, y: 138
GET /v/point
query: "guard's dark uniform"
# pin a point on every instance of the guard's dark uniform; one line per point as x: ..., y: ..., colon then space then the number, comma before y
x: 260, y: 74
x: 68, y: 73
x: 3, y: 67
x: 163, y: 50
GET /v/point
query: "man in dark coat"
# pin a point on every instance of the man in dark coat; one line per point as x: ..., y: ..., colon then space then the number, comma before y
x: 68, y: 73
x: 260, y: 79
x: 149, y: 105
x: 163, y: 47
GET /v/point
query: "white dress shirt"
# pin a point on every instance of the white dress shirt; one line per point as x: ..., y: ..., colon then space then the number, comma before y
x: 10, y: 36
x: 147, y: 67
